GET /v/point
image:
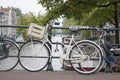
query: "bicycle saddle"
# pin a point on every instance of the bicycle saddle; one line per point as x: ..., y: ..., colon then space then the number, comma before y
x: 74, y: 29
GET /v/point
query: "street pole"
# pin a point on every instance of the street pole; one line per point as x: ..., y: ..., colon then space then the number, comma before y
x: 116, y: 23
x: 50, y: 67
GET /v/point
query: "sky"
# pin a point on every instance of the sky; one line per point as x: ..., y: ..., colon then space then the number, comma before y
x: 24, y: 5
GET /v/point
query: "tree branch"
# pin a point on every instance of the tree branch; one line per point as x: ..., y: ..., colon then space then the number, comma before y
x: 97, y: 5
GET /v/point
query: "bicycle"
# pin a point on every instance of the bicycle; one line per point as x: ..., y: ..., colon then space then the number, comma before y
x: 8, y: 54
x: 35, y: 55
x: 112, y: 52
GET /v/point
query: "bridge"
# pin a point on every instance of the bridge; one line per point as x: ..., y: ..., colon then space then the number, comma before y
x: 56, y: 57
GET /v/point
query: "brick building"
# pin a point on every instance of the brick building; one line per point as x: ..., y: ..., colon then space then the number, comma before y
x: 7, y: 17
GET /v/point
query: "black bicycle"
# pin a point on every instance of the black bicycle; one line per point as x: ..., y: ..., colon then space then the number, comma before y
x: 112, y: 51
x: 8, y: 54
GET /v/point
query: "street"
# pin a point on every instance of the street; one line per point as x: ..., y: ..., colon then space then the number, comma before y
x: 56, y: 75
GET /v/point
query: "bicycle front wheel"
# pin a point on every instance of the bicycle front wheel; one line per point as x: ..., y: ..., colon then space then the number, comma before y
x: 34, y: 56
x: 86, y: 57
x: 10, y: 53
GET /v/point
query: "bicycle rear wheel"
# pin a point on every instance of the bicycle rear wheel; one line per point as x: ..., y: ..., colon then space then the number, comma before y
x: 11, y: 55
x: 86, y: 57
x: 34, y: 56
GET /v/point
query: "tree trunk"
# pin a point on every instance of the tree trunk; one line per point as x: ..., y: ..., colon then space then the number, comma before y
x: 116, y: 24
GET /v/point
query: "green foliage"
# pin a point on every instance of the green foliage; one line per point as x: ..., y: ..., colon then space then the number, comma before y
x: 88, y: 12
x: 18, y: 11
x: 70, y: 22
x: 78, y: 12
x: 84, y: 12
x: 85, y: 34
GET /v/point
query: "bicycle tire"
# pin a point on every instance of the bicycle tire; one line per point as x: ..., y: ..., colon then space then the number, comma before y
x: 11, y: 60
x: 33, y: 57
x: 92, y: 53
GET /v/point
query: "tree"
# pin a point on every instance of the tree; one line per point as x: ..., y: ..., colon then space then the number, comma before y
x: 69, y: 22
x: 18, y: 11
x: 81, y: 9
x: 87, y: 12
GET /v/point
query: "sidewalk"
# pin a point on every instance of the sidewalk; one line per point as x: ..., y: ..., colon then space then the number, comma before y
x: 56, y: 75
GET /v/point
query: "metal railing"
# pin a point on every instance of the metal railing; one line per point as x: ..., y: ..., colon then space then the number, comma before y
x: 80, y: 28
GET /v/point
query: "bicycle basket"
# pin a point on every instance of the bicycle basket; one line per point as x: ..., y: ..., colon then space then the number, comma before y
x: 36, y: 31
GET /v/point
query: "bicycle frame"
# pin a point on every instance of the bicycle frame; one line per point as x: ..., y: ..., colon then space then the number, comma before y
x: 68, y: 47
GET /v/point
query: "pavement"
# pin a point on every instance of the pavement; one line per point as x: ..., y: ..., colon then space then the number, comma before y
x: 56, y: 75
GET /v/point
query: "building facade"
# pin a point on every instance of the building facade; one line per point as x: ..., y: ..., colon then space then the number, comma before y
x: 7, y: 17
